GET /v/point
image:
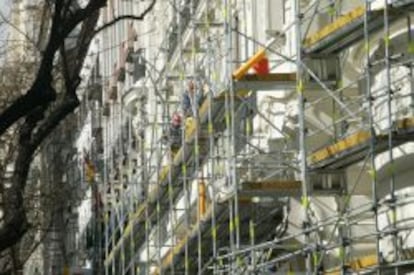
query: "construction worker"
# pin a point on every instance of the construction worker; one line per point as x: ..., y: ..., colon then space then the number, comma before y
x: 175, y: 130
x: 173, y: 137
x: 189, y: 96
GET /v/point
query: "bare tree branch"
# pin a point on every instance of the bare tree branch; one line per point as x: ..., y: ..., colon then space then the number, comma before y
x: 41, y: 91
x: 126, y: 17
x: 42, y: 109
x: 8, y: 22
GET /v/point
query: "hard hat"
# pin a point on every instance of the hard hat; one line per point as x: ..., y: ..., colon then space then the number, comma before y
x: 176, y: 119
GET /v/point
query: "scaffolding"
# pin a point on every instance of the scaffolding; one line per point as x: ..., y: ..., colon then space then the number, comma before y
x: 221, y: 204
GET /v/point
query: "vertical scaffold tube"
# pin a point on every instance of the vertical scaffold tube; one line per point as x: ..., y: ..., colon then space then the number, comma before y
x: 170, y: 191
x: 227, y: 70
x: 211, y: 159
x: 178, y: 9
x: 196, y: 120
x: 410, y: 51
x: 106, y: 208
x: 302, y: 131
x: 369, y: 98
x: 158, y: 158
x: 392, y: 201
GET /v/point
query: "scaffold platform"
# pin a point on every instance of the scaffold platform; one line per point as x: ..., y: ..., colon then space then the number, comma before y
x: 251, y: 214
x: 183, y: 163
x: 356, y: 147
x: 346, y: 30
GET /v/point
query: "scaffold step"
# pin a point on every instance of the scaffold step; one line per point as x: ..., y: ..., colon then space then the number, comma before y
x: 405, y: 127
x: 345, y: 31
x: 367, y: 264
x: 402, y: 3
x: 356, y: 265
x: 182, y: 161
x: 176, y: 249
x: 134, y: 217
x: 280, y: 188
x: 203, y: 24
x: 266, y: 82
x: 355, y: 147
x: 239, y: 94
x: 271, y: 77
x: 346, y: 152
x: 274, y: 82
x: 248, y: 213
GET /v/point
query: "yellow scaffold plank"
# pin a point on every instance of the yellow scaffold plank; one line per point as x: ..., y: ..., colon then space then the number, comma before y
x: 128, y: 229
x: 320, y: 155
x: 190, y: 128
x: 174, y: 251
x: 366, y: 262
x: 350, y: 141
x: 363, y: 262
x: 246, y: 199
x: 356, y: 265
x: 340, y: 146
x: 405, y: 123
x: 239, y: 93
x: 281, y: 188
x: 242, y: 70
x: 272, y: 185
x: 190, y: 123
x: 341, y: 22
x: 273, y: 77
x: 204, y: 107
x: 164, y: 172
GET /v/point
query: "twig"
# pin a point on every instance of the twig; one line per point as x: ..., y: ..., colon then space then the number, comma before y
x: 126, y: 17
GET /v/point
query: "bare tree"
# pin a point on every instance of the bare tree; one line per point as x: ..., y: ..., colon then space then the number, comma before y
x: 28, y: 118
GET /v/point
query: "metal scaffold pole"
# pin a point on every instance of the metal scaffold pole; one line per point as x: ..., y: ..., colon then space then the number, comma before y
x: 131, y: 201
x: 107, y: 216
x: 114, y: 214
x: 123, y: 211
x: 170, y: 186
x: 229, y: 106
x: 144, y: 179
x: 410, y: 50
x: 211, y: 176
x: 196, y: 122
x: 233, y: 141
x: 371, y: 123
x: 391, y: 174
x: 233, y: 50
x: 159, y: 224
x: 302, y: 133
x: 249, y: 149
x: 285, y: 197
x: 180, y: 36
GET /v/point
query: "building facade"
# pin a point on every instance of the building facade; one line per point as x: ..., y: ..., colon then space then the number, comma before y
x: 297, y: 158
x: 60, y: 201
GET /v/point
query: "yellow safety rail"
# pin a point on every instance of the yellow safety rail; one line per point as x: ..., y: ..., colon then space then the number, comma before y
x: 190, y: 132
x: 273, y: 185
x: 174, y: 251
x: 274, y: 77
x: 405, y: 123
x: 340, y: 146
x: 242, y: 70
x: 355, y: 140
x: 334, y: 26
x: 356, y: 265
x: 128, y: 229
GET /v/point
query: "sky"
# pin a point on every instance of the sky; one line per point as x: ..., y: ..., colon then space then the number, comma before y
x: 5, y: 6
x: 4, y: 9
